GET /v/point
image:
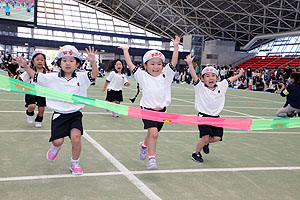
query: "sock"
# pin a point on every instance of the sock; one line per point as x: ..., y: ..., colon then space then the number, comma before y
x: 144, y: 146
x: 151, y: 156
x: 74, y: 160
x: 38, y: 118
x: 29, y: 113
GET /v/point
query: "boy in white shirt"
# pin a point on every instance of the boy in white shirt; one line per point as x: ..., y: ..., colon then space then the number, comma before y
x: 209, y: 102
x: 155, y: 82
x: 67, y: 118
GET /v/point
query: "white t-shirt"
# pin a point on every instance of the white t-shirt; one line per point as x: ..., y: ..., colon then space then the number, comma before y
x: 156, y: 90
x: 116, y: 81
x: 78, y: 84
x: 210, y: 102
x: 26, y: 78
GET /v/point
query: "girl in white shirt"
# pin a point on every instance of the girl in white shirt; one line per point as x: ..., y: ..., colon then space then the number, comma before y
x: 114, y: 83
x: 155, y: 82
x: 38, y: 63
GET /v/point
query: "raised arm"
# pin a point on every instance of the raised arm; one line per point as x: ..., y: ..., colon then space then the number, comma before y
x: 127, y: 57
x: 189, y: 59
x: 92, y: 59
x: 23, y: 63
x: 176, y: 42
x: 233, y: 78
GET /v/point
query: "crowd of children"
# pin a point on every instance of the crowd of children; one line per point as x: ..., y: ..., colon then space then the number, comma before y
x: 154, y: 79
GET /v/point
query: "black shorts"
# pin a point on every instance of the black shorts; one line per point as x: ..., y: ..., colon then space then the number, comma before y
x: 208, y: 129
x: 113, y: 95
x: 62, y: 124
x: 150, y: 123
x: 32, y: 99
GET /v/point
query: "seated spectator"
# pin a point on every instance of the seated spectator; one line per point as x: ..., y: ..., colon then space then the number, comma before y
x: 259, y: 85
x: 243, y: 83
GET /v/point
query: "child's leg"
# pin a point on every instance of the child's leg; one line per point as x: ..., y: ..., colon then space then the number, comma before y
x: 76, y: 143
x: 31, y: 108
x: 113, y: 113
x: 203, y: 141
x: 39, y: 117
x: 151, y: 139
x: 41, y: 110
x: 30, y: 113
x: 54, y: 149
x: 58, y: 142
x: 214, y: 139
x: 75, y: 167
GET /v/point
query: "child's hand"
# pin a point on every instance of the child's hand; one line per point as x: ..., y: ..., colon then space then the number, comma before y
x: 103, y: 89
x: 91, y: 54
x: 176, y: 41
x: 189, y: 59
x: 126, y: 47
x: 22, y: 62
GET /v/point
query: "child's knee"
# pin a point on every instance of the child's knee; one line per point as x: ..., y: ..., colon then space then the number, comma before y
x: 75, y: 135
x: 153, y: 133
x: 205, y: 138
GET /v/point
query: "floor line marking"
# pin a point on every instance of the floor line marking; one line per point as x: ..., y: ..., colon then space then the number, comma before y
x: 128, y: 174
x: 240, y: 169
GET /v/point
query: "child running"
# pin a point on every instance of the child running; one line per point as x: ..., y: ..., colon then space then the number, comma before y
x: 67, y: 118
x: 155, y: 83
x: 38, y: 64
x: 114, y: 83
x: 209, y: 102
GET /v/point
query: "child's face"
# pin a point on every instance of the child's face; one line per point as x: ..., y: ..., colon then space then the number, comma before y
x: 39, y: 61
x: 119, y: 66
x: 68, y: 64
x: 209, y: 79
x: 154, y: 66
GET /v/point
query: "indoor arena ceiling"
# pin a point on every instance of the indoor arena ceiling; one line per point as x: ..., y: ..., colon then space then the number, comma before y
x: 235, y: 20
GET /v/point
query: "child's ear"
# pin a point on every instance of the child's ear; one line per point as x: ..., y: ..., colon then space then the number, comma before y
x: 145, y: 65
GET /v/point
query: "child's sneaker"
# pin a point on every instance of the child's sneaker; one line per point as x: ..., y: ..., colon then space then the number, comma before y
x: 75, y: 168
x: 152, y: 164
x: 52, y: 152
x: 196, y: 156
x: 30, y: 119
x: 206, y: 149
x: 143, y: 152
x: 38, y: 124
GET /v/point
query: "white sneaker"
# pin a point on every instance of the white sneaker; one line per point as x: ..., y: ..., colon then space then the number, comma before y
x: 38, y: 124
x: 30, y: 119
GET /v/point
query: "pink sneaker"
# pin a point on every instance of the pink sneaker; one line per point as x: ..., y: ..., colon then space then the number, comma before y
x: 75, y: 168
x: 152, y: 164
x: 143, y: 152
x: 52, y: 152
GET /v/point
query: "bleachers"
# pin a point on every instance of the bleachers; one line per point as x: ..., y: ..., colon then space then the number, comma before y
x: 261, y: 63
x: 250, y: 61
x: 279, y: 62
x: 272, y: 63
